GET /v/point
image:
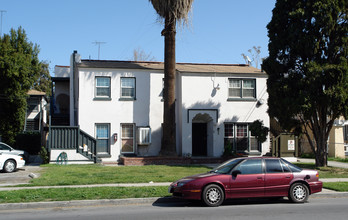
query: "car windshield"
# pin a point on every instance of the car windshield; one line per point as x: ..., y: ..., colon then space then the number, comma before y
x: 227, y: 166
x: 292, y: 167
x: 4, y: 147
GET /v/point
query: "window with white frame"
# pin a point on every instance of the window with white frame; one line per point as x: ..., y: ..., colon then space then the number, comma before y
x: 127, y: 138
x: 103, y: 138
x: 102, y: 87
x: 242, y: 88
x: 128, y: 88
x: 144, y: 135
x: 239, y: 136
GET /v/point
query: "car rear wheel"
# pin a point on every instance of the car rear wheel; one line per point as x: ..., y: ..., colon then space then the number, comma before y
x: 213, y: 195
x: 9, y: 166
x: 298, y: 193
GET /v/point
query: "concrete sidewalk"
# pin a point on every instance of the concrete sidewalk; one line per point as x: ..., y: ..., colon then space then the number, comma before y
x: 329, y: 163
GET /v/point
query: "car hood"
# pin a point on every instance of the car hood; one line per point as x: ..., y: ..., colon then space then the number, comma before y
x: 14, y: 152
x: 198, y: 176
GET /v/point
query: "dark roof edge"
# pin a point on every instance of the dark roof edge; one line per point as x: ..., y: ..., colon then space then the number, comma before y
x: 156, y: 62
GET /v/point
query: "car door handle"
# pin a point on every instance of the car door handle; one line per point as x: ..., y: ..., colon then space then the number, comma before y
x: 287, y: 177
x: 259, y: 177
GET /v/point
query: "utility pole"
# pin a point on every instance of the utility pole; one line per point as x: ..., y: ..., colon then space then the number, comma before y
x: 1, y: 11
x: 98, y: 43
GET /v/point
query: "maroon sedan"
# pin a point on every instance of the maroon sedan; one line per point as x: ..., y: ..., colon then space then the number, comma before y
x: 247, y: 178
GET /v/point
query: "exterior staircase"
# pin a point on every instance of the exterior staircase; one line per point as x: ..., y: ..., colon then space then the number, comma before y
x: 72, y: 137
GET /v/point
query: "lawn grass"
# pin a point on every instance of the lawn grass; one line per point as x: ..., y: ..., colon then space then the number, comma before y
x: 54, y: 175
x: 326, y: 172
x: 68, y: 194
x: 337, y: 186
x: 343, y: 160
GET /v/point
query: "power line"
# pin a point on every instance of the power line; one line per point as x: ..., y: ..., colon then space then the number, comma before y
x: 98, y: 43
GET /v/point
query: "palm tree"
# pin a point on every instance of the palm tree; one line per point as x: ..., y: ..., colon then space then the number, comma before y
x: 171, y: 11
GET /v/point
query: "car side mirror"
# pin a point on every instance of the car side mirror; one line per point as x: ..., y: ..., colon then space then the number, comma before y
x: 236, y: 173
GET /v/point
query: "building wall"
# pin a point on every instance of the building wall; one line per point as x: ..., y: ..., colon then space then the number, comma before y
x: 116, y: 112
x: 199, y: 95
x: 336, y: 142
x: 201, y: 98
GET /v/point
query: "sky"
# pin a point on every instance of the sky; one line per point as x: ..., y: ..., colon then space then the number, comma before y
x: 219, y: 31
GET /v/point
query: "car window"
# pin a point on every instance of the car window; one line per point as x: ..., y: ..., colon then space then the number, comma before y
x: 226, y: 167
x: 286, y: 169
x: 251, y: 166
x: 4, y: 147
x: 273, y: 166
x: 292, y: 167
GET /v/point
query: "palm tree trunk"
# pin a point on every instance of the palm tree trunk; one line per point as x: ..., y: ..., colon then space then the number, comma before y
x: 169, y: 128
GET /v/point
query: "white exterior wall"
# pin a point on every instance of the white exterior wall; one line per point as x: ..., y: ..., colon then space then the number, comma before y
x: 198, y: 93
x: 195, y: 94
x: 62, y: 71
x: 72, y: 156
x: 116, y: 112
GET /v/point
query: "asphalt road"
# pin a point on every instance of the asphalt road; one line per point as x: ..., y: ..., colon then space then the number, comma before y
x: 316, y: 209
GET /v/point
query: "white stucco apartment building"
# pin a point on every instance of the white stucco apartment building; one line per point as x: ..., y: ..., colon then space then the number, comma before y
x: 120, y: 103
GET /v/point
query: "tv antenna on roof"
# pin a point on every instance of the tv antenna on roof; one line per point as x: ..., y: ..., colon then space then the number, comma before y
x: 98, y: 43
x: 1, y: 11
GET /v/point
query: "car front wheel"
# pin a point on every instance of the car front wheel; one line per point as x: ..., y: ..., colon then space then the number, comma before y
x: 298, y: 193
x: 9, y: 166
x: 213, y: 195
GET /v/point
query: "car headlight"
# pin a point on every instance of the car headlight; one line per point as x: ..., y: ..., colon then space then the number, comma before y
x: 180, y: 184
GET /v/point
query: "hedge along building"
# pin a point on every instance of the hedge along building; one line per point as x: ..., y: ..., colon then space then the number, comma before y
x: 120, y: 104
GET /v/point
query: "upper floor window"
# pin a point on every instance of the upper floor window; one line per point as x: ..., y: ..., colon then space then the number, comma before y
x: 127, y: 88
x: 102, y: 87
x: 242, y: 89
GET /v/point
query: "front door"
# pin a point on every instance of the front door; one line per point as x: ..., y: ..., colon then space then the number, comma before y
x: 199, y: 139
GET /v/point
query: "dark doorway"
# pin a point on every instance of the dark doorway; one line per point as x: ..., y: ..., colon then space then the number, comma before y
x: 199, y: 139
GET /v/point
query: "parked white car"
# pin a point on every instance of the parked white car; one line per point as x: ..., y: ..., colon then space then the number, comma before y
x: 4, y: 148
x: 10, y: 162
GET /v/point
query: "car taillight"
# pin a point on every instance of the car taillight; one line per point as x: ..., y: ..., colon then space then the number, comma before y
x: 317, y: 175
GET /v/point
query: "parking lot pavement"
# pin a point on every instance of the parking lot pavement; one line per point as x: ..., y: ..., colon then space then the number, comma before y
x: 21, y: 176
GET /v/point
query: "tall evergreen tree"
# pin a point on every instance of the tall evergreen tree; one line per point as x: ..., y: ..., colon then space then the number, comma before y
x: 171, y: 11
x: 308, y: 68
x: 19, y: 69
x: 44, y: 83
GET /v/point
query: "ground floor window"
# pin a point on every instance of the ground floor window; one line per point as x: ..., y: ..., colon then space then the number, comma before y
x: 239, y: 137
x: 127, y: 138
x: 103, y: 138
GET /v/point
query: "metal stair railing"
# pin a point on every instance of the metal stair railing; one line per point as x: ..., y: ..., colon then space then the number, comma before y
x: 72, y: 137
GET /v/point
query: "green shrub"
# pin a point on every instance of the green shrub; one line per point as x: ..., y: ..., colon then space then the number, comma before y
x: 44, y: 155
x: 228, y: 151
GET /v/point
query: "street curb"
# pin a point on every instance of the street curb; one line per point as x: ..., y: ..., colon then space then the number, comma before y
x: 122, y: 202
x: 78, y: 203
x: 329, y: 195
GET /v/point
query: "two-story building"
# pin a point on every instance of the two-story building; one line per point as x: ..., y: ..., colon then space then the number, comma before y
x: 120, y: 104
